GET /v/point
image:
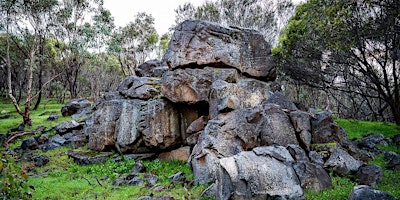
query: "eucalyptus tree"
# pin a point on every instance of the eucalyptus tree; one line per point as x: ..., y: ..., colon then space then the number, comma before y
x: 135, y: 43
x: 266, y: 16
x: 347, y: 48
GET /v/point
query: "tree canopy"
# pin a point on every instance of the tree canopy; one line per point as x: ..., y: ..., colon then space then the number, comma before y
x: 351, y: 47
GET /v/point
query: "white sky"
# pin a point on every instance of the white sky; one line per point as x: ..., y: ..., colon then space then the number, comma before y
x: 163, y: 12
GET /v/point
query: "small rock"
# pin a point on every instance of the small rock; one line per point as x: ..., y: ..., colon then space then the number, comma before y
x: 119, y: 182
x: 342, y: 163
x: 396, y: 139
x: 389, y: 155
x: 42, y: 139
x: 53, y: 117
x: 138, y: 167
x: 145, y: 198
x: 163, y: 198
x: 67, y: 127
x: 179, y: 176
x: 197, y: 125
x: 363, y: 192
x: 369, y: 175
x: 58, y: 139
x: 82, y: 158
x: 49, y: 146
x: 79, y: 141
x: 297, y: 152
x: 312, y: 176
x: 40, y: 161
x: 30, y: 144
x: 151, y: 178
x: 394, y: 163
x: 135, y: 181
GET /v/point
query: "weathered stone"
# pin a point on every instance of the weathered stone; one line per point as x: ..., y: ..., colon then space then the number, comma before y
x: 363, y: 192
x: 276, y: 128
x: 251, y: 176
x: 79, y: 141
x: 29, y: 144
x: 182, y: 154
x: 279, y: 99
x: 197, y: 125
x: 40, y: 160
x: 140, y: 87
x: 119, y: 182
x: 394, y: 163
x: 209, y: 192
x: 316, y: 158
x: 369, y: 143
x: 76, y: 107
x: 87, y: 158
x: 151, y: 68
x: 138, y: 167
x: 53, y: 117
x: 342, y: 163
x: 67, y: 127
x: 200, y: 43
x: 58, y: 139
x: 369, y: 175
x: 193, y: 85
x: 312, y: 176
x: 179, y: 176
x: 129, y: 124
x: 356, y: 152
x: 135, y: 181
x: 240, y: 130
x: 301, y: 123
x: 245, y: 93
x: 159, y: 124
x: 192, y: 139
x: 42, y: 139
x: 297, y: 152
x: 151, y: 179
x: 163, y: 198
x: 325, y: 130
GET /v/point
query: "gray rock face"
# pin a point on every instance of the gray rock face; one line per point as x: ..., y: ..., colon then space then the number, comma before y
x: 245, y: 93
x: 302, y: 125
x: 193, y: 85
x: 134, y: 87
x: 200, y: 43
x: 151, y: 68
x: 237, y: 131
x: 131, y: 123
x: 325, y: 130
x: 68, y: 126
x: 369, y: 175
x: 363, y: 192
x: 312, y: 176
x: 279, y: 99
x: 249, y: 175
x: 76, y: 107
x: 342, y: 163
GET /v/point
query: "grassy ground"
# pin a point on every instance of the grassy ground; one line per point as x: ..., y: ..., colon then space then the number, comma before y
x: 61, y: 178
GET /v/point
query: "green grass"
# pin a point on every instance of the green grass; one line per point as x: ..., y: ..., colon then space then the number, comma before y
x: 38, y: 116
x: 356, y: 130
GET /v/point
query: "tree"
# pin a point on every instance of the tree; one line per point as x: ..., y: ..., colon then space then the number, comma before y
x: 347, y: 48
x: 135, y: 42
x: 266, y: 16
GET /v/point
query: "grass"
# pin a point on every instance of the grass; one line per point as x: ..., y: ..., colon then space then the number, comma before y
x: 390, y: 179
x: 61, y: 178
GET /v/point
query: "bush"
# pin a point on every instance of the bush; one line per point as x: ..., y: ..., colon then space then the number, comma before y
x: 13, y: 181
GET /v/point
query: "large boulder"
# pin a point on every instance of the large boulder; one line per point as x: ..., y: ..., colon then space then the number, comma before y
x: 193, y: 85
x: 240, y: 130
x: 202, y: 43
x: 258, y: 174
x: 134, y: 125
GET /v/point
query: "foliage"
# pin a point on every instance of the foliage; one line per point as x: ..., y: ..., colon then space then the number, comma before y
x: 266, y: 16
x: 13, y: 181
x: 349, y: 49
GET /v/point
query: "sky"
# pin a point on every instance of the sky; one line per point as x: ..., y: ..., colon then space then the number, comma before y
x: 163, y: 12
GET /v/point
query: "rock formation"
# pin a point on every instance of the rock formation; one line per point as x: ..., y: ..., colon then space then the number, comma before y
x: 217, y: 101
